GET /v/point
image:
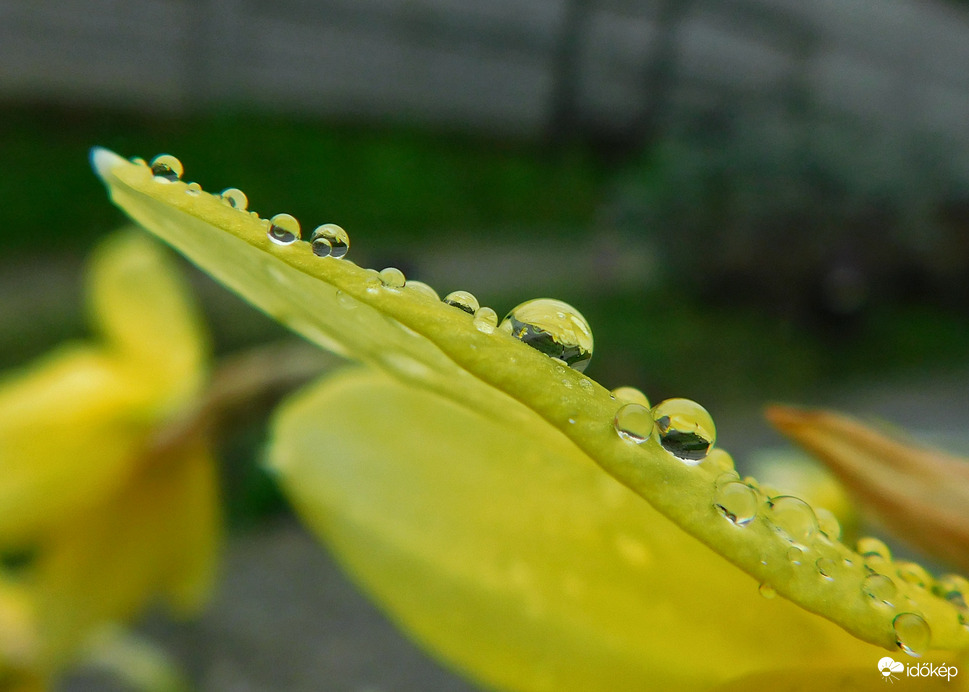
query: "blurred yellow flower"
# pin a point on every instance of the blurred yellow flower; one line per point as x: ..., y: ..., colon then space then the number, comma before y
x: 107, y: 499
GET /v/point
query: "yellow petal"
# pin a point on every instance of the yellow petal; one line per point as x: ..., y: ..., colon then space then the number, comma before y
x: 442, y: 350
x: 516, y: 557
x: 67, y: 430
x: 145, y: 313
x: 107, y: 563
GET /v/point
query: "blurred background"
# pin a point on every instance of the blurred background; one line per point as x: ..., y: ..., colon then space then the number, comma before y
x: 750, y: 200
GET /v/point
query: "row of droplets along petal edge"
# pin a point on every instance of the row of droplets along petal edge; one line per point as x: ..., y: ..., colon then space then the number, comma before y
x: 682, y: 427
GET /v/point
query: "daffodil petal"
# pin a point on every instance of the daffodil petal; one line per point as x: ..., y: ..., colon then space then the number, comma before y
x: 441, y: 349
x: 520, y: 559
x: 144, y: 312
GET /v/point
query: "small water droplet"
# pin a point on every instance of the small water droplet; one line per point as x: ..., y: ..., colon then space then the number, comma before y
x: 235, y: 198
x: 766, y: 590
x: 873, y: 550
x: 634, y: 423
x: 138, y: 161
x: 283, y: 229
x: 913, y: 573
x: 954, y: 589
x: 686, y: 429
x: 737, y: 501
x: 912, y: 633
x: 631, y: 395
x: 392, y: 277
x: 166, y: 168
x: 346, y: 302
x: 879, y: 588
x: 826, y: 567
x: 555, y: 328
x: 485, y: 320
x: 793, y: 518
x: 330, y: 240
x: 795, y: 555
x: 193, y: 189
x: 718, y: 461
x: 463, y: 301
x: 423, y: 290
x: 828, y: 523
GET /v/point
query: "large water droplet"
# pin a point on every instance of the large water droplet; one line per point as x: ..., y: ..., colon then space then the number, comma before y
x: 879, y: 588
x: 235, y: 198
x: 737, y: 501
x: 634, y: 422
x: 793, y: 518
x: 485, y: 320
x: 795, y: 555
x: 330, y: 240
x: 686, y: 429
x: 554, y: 328
x: 283, y: 229
x: 392, y: 277
x: 630, y: 395
x: 166, y: 168
x: 912, y: 633
x: 463, y: 301
x: 873, y: 550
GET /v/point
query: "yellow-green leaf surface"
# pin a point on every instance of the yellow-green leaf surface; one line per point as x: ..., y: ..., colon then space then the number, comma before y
x: 440, y: 349
x: 518, y: 559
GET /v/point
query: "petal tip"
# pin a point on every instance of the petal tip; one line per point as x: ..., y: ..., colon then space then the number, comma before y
x: 103, y: 160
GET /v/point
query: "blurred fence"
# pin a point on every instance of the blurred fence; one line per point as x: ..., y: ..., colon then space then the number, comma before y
x: 533, y: 67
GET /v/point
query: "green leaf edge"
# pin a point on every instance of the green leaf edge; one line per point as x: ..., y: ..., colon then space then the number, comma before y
x: 442, y: 349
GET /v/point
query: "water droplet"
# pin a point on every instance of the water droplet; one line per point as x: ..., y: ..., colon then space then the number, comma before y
x: 954, y: 589
x: 423, y: 290
x: 826, y: 567
x: 912, y: 633
x: 873, y: 550
x: 235, y: 198
x: 330, y: 240
x: 913, y: 573
x: 555, y: 328
x: 346, y: 302
x: 586, y: 385
x: 463, y: 301
x: 485, y: 320
x: 766, y: 590
x: 879, y: 588
x: 828, y: 523
x: 795, y: 555
x: 631, y: 395
x: 138, y: 161
x: 392, y: 277
x: 166, y: 168
x: 633, y: 422
x: 686, y: 429
x: 193, y: 189
x: 737, y: 501
x: 718, y: 460
x: 283, y: 229
x: 793, y: 518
